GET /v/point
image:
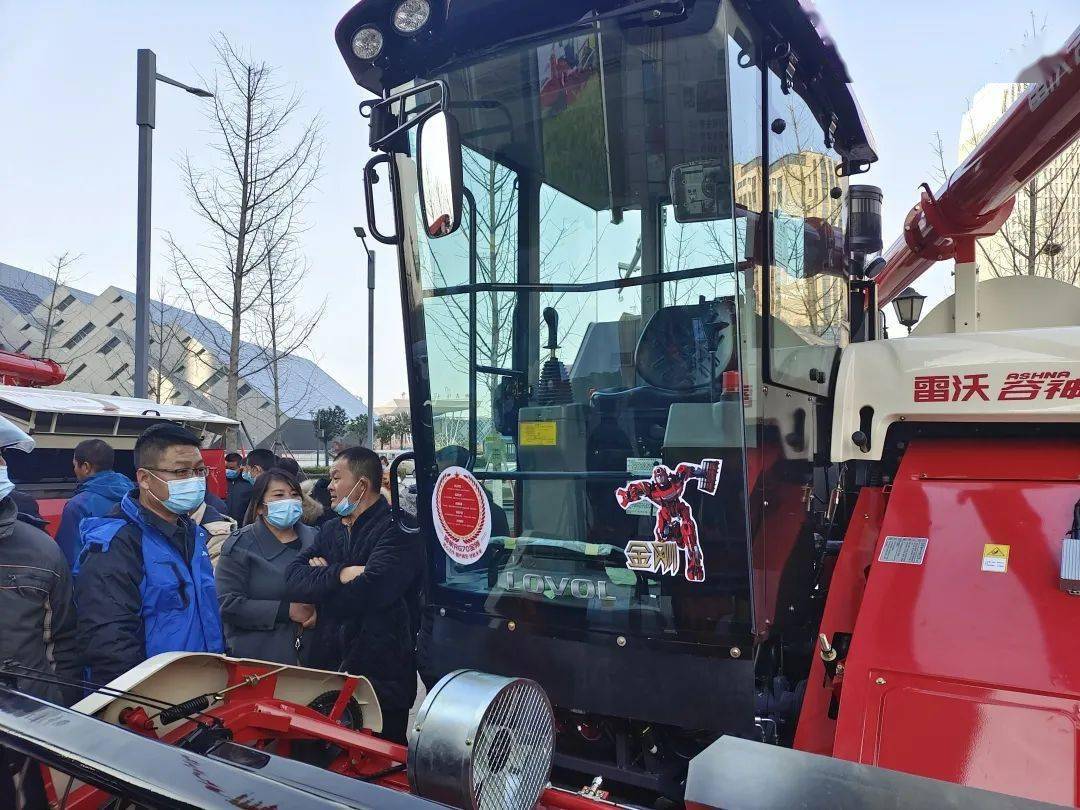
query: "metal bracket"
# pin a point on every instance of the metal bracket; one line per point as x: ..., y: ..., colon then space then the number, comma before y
x: 378, y: 111
x: 830, y: 131
x: 787, y: 77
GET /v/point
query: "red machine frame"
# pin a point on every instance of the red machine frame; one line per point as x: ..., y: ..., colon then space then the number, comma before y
x: 254, y: 717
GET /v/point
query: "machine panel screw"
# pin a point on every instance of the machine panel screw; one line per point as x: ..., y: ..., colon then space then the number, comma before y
x: 880, y: 681
x: 511, y: 626
x: 735, y: 652
x: 621, y: 641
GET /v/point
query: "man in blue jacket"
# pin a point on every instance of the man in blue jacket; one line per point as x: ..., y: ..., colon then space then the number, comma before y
x: 144, y: 584
x: 99, y: 490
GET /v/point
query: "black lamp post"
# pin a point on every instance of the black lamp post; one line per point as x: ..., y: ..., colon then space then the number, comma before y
x: 908, y: 305
x: 145, y: 114
x: 371, y: 336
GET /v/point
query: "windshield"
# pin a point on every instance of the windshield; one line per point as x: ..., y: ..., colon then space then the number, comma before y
x: 585, y: 362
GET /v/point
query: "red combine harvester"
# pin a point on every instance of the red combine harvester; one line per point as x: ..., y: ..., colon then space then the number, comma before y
x: 739, y: 552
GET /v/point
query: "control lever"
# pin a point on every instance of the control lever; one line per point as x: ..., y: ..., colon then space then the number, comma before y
x: 551, y: 318
x: 553, y: 387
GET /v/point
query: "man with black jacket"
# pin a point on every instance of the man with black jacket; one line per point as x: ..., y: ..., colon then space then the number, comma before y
x: 37, y: 622
x: 239, y: 488
x: 363, y: 575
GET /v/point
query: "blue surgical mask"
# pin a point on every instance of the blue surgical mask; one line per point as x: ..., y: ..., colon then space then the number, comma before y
x: 247, y: 476
x: 232, y: 475
x: 185, y: 495
x: 345, y: 507
x: 6, y: 487
x: 284, y: 513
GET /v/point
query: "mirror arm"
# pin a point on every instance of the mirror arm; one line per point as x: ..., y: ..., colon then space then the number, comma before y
x: 376, y: 110
x: 471, y: 200
x: 369, y: 199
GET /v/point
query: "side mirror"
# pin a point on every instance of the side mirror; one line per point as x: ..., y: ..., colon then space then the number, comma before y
x: 438, y: 154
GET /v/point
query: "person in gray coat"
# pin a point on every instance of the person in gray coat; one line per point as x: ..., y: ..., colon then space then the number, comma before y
x: 259, y: 621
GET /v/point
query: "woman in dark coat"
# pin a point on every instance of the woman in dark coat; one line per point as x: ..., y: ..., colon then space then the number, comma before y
x: 259, y: 621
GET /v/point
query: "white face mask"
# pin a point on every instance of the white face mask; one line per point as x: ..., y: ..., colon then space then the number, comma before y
x: 345, y: 507
x: 185, y: 494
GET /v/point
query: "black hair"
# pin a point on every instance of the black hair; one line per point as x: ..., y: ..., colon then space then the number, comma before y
x: 158, y: 438
x: 95, y: 452
x: 262, y: 483
x: 320, y: 493
x: 262, y: 458
x: 290, y: 465
x: 363, y: 463
x: 234, y: 457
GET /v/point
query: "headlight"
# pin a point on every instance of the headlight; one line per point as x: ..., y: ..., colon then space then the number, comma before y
x: 367, y: 42
x: 411, y: 15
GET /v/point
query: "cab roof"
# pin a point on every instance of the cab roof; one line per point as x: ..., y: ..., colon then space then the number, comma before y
x: 797, y: 42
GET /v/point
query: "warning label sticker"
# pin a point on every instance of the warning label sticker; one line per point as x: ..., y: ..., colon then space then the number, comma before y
x: 906, y: 550
x: 537, y: 434
x: 995, y: 558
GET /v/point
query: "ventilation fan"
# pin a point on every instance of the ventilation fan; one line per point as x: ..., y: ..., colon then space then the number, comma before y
x: 482, y: 742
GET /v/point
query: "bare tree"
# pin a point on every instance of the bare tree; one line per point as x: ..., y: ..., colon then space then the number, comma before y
x: 280, y: 329
x: 252, y: 199
x: 46, y: 318
x: 170, y: 353
x: 940, y: 171
x: 495, y: 189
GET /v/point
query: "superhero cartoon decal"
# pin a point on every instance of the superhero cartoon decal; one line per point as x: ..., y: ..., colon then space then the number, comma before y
x: 675, y: 527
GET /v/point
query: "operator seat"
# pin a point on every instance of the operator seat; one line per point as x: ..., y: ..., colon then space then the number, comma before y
x: 680, y: 356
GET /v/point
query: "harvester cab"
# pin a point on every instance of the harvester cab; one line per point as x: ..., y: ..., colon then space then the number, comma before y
x: 624, y: 275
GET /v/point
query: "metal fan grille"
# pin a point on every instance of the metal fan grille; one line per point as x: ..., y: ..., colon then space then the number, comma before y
x: 512, y: 755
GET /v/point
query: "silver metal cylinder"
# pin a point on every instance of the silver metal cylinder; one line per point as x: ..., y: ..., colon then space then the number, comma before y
x: 482, y: 742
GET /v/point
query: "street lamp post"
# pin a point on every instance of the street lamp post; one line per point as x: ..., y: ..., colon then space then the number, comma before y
x: 371, y: 336
x: 145, y: 108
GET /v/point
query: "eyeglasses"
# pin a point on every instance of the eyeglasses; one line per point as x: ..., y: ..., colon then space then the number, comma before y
x: 183, y: 472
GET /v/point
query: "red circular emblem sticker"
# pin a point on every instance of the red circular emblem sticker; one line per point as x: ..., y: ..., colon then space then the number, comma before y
x: 462, y: 518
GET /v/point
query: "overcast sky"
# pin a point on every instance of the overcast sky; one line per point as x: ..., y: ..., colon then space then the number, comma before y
x: 68, y: 136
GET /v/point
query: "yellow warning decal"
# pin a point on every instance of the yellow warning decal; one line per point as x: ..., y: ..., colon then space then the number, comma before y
x: 995, y: 558
x: 537, y: 434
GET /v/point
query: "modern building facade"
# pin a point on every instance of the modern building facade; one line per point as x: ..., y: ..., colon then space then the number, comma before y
x: 92, y: 338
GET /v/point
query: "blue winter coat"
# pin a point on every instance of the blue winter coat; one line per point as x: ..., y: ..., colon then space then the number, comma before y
x: 95, y: 496
x: 140, y: 593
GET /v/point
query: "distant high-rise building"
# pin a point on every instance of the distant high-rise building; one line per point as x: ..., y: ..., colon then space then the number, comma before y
x: 1042, y: 235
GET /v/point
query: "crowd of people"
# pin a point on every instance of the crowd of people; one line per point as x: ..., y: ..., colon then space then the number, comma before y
x: 312, y: 573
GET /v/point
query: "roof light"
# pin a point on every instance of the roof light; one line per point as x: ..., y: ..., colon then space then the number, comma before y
x: 411, y: 15
x: 367, y: 42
